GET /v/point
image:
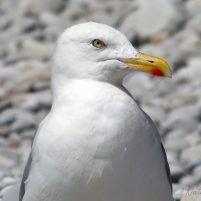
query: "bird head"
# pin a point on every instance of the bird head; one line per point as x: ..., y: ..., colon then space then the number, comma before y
x: 97, y: 51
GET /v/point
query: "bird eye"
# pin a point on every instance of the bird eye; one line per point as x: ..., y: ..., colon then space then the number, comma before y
x: 98, y: 43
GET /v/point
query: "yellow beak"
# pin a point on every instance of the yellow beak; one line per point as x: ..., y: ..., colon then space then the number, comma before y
x: 149, y: 64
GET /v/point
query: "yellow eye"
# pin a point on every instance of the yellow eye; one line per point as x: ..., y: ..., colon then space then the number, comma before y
x: 98, y: 43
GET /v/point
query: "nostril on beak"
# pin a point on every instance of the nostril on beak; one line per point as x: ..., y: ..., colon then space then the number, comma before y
x: 150, y: 61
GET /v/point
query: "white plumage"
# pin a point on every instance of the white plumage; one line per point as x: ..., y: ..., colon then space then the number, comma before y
x: 95, y: 144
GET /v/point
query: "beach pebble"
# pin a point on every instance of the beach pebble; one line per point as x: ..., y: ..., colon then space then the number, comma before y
x: 146, y: 25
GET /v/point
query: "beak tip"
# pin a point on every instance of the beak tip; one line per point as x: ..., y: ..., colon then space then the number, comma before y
x: 169, y: 75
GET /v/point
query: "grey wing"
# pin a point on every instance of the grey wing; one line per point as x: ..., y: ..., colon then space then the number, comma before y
x: 17, y: 192
x: 167, y: 166
x: 26, y: 171
x: 24, y: 177
x: 162, y: 149
x: 157, y: 135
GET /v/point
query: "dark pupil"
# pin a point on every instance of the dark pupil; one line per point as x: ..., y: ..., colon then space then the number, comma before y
x: 98, y: 43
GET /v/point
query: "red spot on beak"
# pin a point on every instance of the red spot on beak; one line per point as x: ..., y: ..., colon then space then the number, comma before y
x: 157, y: 72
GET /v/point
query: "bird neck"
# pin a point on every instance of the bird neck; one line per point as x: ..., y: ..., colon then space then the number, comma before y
x: 66, y: 90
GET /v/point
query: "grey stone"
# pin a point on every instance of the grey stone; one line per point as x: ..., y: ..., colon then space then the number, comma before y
x: 176, y: 168
x: 191, y: 154
x: 192, y: 72
x: 190, y: 43
x: 33, y: 102
x: 28, y: 133
x: 146, y: 25
x: 176, y: 121
x: 194, y: 23
x: 35, y: 49
x: 176, y: 140
x: 7, y: 181
x: 193, y: 7
x: 14, y: 140
x: 178, y: 191
x: 48, y: 18
x: 17, y: 120
x: 192, y: 195
x: 192, y: 179
x: 193, y: 139
x: 7, y: 159
x: 37, y: 6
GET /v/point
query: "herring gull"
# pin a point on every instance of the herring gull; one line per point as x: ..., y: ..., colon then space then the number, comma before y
x: 96, y: 143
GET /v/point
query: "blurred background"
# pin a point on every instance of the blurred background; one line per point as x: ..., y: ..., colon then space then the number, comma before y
x: 167, y: 28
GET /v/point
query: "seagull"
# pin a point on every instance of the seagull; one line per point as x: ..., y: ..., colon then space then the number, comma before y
x: 96, y: 143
